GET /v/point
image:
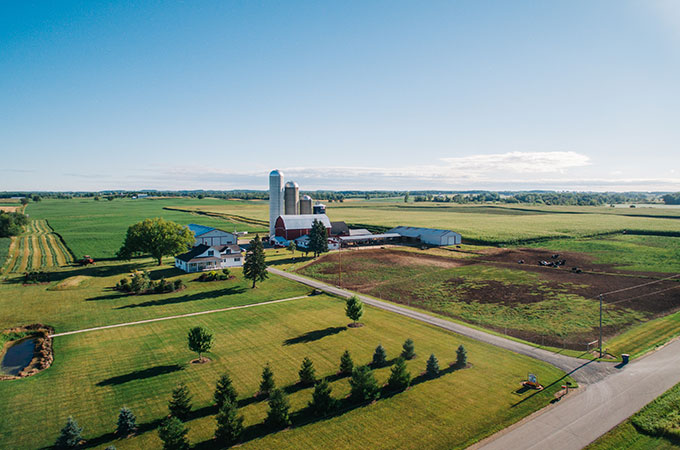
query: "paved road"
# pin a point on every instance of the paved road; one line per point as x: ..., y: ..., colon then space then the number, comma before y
x: 608, y: 395
x: 584, y: 372
x: 158, y: 319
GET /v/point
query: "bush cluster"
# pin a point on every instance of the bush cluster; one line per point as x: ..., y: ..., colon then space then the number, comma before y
x: 36, y: 276
x: 214, y: 276
x: 140, y: 283
x: 12, y: 223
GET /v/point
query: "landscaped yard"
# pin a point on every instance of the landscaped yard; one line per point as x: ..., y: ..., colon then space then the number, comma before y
x: 96, y: 373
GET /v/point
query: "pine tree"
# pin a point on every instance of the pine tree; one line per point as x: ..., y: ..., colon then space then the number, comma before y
x: 255, y: 267
x: 354, y: 309
x: 346, y: 363
x: 322, y: 402
x: 229, y: 424
x: 399, y: 379
x: 278, y: 415
x: 307, y: 372
x: 70, y: 435
x: 224, y: 391
x: 180, y: 404
x: 379, y: 357
x: 173, y: 433
x: 461, y: 357
x: 127, y: 423
x: 432, y: 366
x: 409, y: 350
x: 318, y: 238
x: 267, y: 384
x: 364, y: 387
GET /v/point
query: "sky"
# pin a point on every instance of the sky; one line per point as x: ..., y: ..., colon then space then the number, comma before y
x: 397, y: 95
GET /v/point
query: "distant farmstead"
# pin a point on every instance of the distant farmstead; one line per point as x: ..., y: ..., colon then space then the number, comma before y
x: 206, y: 257
x: 429, y: 236
x: 212, y: 236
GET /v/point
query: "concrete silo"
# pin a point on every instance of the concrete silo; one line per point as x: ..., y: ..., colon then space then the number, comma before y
x: 291, y: 198
x: 306, y: 204
x: 275, y: 198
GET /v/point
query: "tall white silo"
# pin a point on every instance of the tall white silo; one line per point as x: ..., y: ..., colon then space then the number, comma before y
x: 275, y: 198
x: 292, y: 198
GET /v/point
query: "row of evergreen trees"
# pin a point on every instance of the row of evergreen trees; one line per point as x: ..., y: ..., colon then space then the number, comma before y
x: 364, y: 389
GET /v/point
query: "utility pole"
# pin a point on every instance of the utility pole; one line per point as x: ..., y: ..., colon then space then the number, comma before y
x: 600, y: 340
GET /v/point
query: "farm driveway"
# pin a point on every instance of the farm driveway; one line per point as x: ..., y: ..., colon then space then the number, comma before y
x: 609, y: 395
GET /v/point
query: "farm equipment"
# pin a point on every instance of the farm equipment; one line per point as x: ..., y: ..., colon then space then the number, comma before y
x: 86, y: 260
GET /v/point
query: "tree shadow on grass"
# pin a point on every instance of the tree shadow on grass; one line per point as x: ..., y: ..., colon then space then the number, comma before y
x: 187, y: 298
x: 141, y: 374
x: 315, y: 335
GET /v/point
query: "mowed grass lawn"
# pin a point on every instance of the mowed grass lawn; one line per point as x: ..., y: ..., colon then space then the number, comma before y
x: 96, y: 373
x: 97, y: 228
x: 83, y: 297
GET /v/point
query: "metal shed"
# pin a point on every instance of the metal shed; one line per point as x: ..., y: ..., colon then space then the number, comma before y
x: 430, y: 236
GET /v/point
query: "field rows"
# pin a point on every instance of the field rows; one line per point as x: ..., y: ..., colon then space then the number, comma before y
x: 37, y: 248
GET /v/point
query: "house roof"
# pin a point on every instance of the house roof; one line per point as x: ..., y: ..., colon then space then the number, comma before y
x: 233, y: 247
x: 339, y: 228
x: 194, y: 252
x: 304, y: 221
x: 199, y: 229
x: 419, y: 231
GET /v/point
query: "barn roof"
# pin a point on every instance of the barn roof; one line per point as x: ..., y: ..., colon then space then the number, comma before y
x: 304, y: 221
x: 419, y: 231
x: 199, y: 229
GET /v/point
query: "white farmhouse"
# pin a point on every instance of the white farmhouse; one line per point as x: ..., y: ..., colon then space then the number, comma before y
x: 212, y: 236
x: 206, y: 257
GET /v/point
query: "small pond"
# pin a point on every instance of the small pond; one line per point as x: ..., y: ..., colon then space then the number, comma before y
x: 18, y: 356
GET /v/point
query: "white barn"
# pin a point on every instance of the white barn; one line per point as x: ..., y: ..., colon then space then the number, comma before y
x: 205, y: 257
x: 430, y: 236
x: 212, y: 236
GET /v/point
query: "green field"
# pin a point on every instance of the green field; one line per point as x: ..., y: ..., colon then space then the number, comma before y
x: 656, y: 426
x: 91, y: 301
x: 4, y: 251
x: 639, y: 253
x: 96, y: 373
x: 490, y: 224
x: 97, y: 228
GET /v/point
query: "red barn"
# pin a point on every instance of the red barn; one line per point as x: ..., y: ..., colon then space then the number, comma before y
x: 293, y: 226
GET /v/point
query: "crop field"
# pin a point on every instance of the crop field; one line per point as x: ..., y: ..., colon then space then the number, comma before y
x: 490, y: 224
x: 96, y: 373
x: 97, y: 228
x: 544, y: 305
x: 38, y: 248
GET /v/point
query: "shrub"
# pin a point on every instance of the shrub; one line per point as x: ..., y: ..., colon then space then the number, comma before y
x: 229, y: 424
x: 354, y: 309
x: 322, y: 402
x: 267, y: 384
x: 278, y: 415
x: 173, y: 433
x: 346, y: 363
x: 178, y: 284
x: 409, y: 351
x: 364, y: 387
x: 432, y: 368
x: 224, y: 391
x: 36, y: 276
x: 70, y: 435
x: 399, y: 379
x: 180, y: 403
x: 127, y: 423
x: 307, y: 372
x: 379, y: 357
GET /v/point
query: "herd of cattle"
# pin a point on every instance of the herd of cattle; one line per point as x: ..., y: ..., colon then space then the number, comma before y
x: 556, y: 263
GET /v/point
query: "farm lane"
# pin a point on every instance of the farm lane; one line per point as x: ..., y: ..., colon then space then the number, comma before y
x: 583, y: 371
x: 179, y: 316
x: 581, y: 419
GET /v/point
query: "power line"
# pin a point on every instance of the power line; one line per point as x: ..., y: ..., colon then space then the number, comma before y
x: 643, y: 295
x: 640, y: 285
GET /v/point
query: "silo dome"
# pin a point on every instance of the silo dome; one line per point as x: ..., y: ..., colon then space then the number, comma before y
x: 276, y: 172
x: 292, y: 184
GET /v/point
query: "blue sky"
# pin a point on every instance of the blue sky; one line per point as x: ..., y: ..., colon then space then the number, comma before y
x: 576, y: 95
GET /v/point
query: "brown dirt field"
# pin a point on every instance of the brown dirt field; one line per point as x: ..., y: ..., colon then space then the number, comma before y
x: 9, y: 208
x: 396, y: 257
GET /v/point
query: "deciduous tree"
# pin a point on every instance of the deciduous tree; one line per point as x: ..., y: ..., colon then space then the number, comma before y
x: 199, y: 340
x: 255, y: 267
x: 354, y: 309
x: 157, y: 237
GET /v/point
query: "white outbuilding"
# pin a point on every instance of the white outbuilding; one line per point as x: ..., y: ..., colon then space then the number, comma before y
x: 429, y: 236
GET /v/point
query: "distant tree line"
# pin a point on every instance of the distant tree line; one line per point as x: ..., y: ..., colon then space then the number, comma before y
x: 540, y: 198
x: 672, y: 199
